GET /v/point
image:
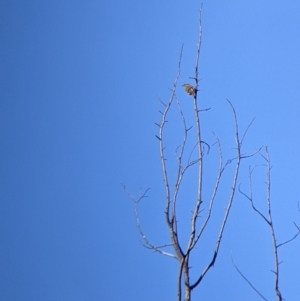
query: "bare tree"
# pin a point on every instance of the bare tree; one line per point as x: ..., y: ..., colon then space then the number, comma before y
x: 188, y: 158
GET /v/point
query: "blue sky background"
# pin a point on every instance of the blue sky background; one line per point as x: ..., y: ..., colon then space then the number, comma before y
x: 79, y: 87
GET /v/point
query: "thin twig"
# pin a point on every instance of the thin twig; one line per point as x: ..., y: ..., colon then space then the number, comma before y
x: 291, y: 239
x: 245, y: 278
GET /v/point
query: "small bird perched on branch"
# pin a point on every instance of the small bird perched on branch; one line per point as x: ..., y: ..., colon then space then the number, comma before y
x: 190, y: 90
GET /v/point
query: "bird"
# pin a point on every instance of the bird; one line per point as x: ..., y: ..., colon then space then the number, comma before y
x: 190, y: 90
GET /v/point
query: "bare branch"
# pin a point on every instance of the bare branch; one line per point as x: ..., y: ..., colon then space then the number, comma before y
x: 291, y: 239
x: 180, y: 169
x: 250, y: 198
x: 253, y: 154
x: 204, y: 110
x: 275, y: 248
x: 221, y: 169
x: 206, y: 145
x: 169, y: 214
x: 269, y: 221
x: 200, y: 154
x: 245, y: 278
x: 247, y: 130
x: 145, y: 242
x: 229, y: 204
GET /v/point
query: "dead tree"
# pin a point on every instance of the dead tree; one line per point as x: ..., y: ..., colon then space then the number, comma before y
x: 182, y: 252
x: 195, y: 157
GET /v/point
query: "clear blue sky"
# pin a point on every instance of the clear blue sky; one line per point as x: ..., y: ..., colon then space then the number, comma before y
x: 78, y: 103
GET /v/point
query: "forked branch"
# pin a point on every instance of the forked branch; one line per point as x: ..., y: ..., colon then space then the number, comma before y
x: 268, y: 219
x: 145, y: 242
